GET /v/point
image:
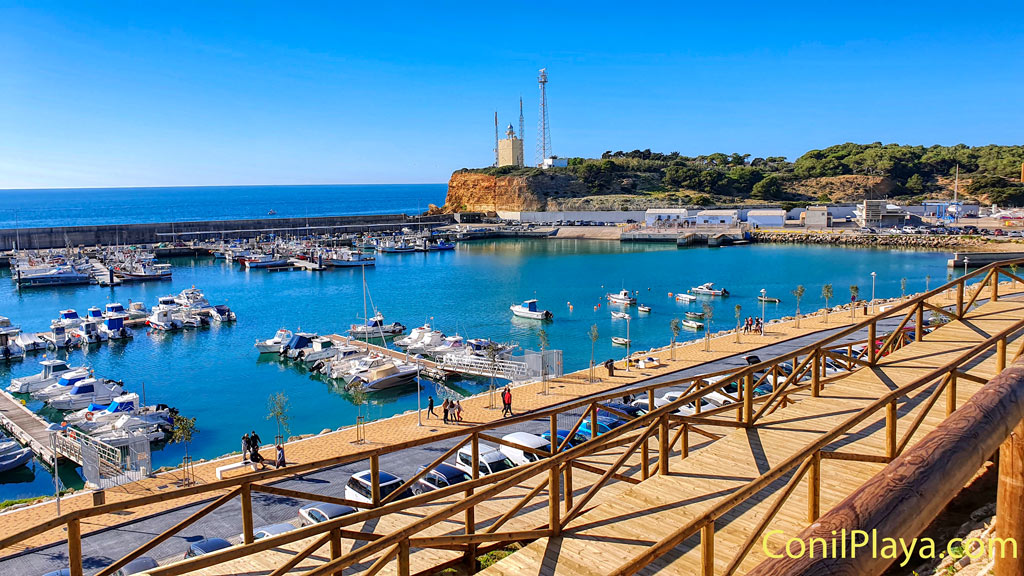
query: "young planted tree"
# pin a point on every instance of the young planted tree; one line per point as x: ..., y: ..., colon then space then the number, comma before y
x: 358, y: 395
x: 277, y: 410
x: 709, y: 312
x: 542, y: 336
x: 492, y: 356
x: 676, y: 326
x: 1013, y: 270
x: 739, y: 309
x: 594, y: 335
x: 798, y: 294
x: 854, y: 292
x: 903, y: 287
x: 927, y: 282
x: 826, y: 293
x: 182, y: 431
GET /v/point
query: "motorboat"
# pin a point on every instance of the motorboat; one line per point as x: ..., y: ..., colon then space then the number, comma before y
x: 127, y: 428
x: 276, y: 344
x: 50, y: 275
x: 620, y: 315
x: 339, y: 354
x: 297, y: 347
x: 113, y: 328
x: 480, y: 346
x: 450, y: 345
x: 65, y: 381
x: 8, y: 445
x: 85, y: 392
x: 168, y: 303
x: 191, y: 318
x: 163, y: 319
x: 623, y: 297
x: 708, y: 289
x: 220, y: 314
x: 114, y: 309
x: 68, y: 318
x: 337, y: 367
x: 10, y: 350
x: 693, y: 324
x: 414, y: 336
x: 15, y: 459
x: 30, y: 341
x: 96, y: 415
x: 51, y: 372
x: 375, y: 328
x: 529, y: 309
x: 349, y: 258
x: 320, y: 348
x: 59, y: 337
x: 768, y: 299
x: 144, y: 272
x: 644, y: 309
x: 393, y: 247
x: 263, y: 261
x: 685, y: 298
x: 620, y: 341
x: 126, y: 420
x: 428, y: 342
x: 4, y: 321
x: 192, y: 298
x: 375, y: 373
x: 440, y: 245
x: 89, y: 331
x: 137, y: 311
x: 695, y: 315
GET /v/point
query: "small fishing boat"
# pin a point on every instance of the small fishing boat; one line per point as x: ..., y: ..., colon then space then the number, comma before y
x: 708, y: 289
x: 348, y: 259
x: 51, y: 372
x: 392, y: 247
x: 10, y: 350
x: 275, y: 344
x: 220, y: 314
x: 162, y: 319
x: 376, y: 328
x: 695, y: 315
x: 620, y: 341
x: 620, y: 315
x: 768, y: 299
x: 686, y: 298
x: 144, y: 272
x: 644, y: 309
x: 263, y: 261
x: 693, y: 325
x: 440, y: 245
x: 15, y: 459
x: 65, y: 381
x: 85, y: 392
x: 529, y: 309
x: 623, y: 297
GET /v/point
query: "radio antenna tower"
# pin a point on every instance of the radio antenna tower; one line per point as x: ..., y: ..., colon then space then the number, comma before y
x: 543, y: 128
x: 495, y: 138
x: 522, y: 134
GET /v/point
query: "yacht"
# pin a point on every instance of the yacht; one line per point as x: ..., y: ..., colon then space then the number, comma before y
x: 192, y: 298
x: 65, y: 381
x: 52, y: 370
x: 221, y: 313
x: 375, y: 328
x: 428, y: 342
x: 414, y: 336
x: 451, y: 344
x: 89, y: 332
x: 276, y: 344
x: 480, y: 346
x: 10, y: 350
x: 708, y: 289
x: 375, y: 373
x: 528, y: 309
x: 85, y: 392
x: 622, y: 297
x: 163, y: 319
x: 167, y: 303
x: 113, y: 328
x: 50, y: 275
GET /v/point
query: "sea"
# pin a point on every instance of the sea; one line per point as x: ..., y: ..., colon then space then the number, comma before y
x: 215, y: 374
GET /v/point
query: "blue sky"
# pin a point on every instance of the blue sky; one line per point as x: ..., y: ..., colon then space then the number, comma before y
x: 183, y: 93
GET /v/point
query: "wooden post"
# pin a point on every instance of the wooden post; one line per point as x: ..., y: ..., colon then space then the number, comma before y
x: 951, y: 394
x: 748, y: 399
x: 645, y: 459
x: 568, y: 485
x: 375, y: 479
x: 553, y: 512
x: 814, y: 488
x: 1001, y: 354
x: 849, y: 357
x: 336, y: 547
x: 650, y: 399
x: 890, y: 429
x: 707, y: 549
x: 247, y: 513
x: 684, y: 442
x: 554, y: 434
x: 663, y: 448
x: 919, y: 323
x: 75, y: 547
x: 995, y: 285
x: 403, y: 557
x: 470, y: 558
x: 593, y: 421
x: 960, y: 299
x: 871, y: 342
x: 816, y: 374
x: 1010, y: 502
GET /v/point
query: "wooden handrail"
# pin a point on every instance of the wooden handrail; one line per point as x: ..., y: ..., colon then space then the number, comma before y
x: 902, y: 499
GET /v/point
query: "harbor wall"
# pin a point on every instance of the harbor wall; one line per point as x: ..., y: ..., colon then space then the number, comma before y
x: 108, y: 235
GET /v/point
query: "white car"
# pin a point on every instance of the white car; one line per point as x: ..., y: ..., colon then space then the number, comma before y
x: 519, y: 456
x: 360, y: 488
x: 492, y: 460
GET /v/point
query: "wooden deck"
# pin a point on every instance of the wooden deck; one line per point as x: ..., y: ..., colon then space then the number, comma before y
x: 605, y: 538
x: 26, y: 426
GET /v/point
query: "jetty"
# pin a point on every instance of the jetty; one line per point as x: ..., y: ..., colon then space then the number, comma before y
x: 26, y: 426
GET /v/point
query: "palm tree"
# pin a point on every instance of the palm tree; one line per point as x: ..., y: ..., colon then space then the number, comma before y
x: 675, y: 325
x: 709, y: 312
x: 594, y: 335
x: 182, y: 432
x: 798, y: 294
x: 738, y: 315
x: 854, y: 291
x: 542, y: 336
x: 277, y: 409
x: 826, y: 293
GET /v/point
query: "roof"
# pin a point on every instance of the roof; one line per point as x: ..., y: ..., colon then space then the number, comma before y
x: 718, y: 213
x: 682, y: 211
x: 767, y: 212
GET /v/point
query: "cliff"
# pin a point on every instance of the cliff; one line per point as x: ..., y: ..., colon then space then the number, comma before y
x: 475, y: 192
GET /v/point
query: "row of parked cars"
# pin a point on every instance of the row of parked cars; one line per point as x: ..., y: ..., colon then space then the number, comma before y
x: 945, y: 230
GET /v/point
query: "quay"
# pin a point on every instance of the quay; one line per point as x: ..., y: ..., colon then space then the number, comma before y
x: 25, y: 426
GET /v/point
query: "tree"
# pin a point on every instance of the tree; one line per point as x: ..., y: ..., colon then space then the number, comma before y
x: 927, y: 281
x: 594, y: 335
x: 358, y: 395
x: 675, y: 325
x: 739, y: 309
x: 1013, y: 270
x: 915, y: 184
x: 542, y: 336
x: 798, y: 294
x: 491, y: 352
x: 768, y: 189
x: 826, y: 293
x: 854, y: 291
x: 903, y: 287
x: 709, y: 312
x: 277, y: 409
x: 182, y: 431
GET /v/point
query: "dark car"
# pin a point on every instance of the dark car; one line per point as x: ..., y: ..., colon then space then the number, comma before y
x: 561, y: 435
x: 441, y: 476
x: 140, y: 564
x: 631, y: 411
x: 206, y: 546
x: 318, y: 512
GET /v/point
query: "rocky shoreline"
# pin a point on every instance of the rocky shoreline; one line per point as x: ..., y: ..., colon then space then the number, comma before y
x: 951, y: 243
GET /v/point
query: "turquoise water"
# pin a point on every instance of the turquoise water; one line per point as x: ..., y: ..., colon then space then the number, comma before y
x: 90, y: 206
x: 214, y: 375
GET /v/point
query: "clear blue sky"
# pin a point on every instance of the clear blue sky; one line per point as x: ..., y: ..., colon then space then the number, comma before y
x: 182, y: 93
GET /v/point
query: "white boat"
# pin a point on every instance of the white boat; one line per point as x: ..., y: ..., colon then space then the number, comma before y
x: 693, y: 325
x: 144, y: 271
x: 220, y: 314
x: 51, y: 372
x: 64, y: 382
x: 192, y: 298
x: 428, y: 342
x: 263, y: 261
x: 89, y: 331
x: 30, y: 341
x: 622, y: 297
x: 191, y: 318
x: 528, y: 309
x: 276, y: 344
x: 375, y: 328
x: 450, y: 345
x: 85, y: 392
x: 10, y: 350
x: 685, y: 298
x: 61, y: 338
x: 375, y: 373
x: 68, y: 319
x: 113, y: 310
x: 50, y: 275
x: 94, y: 416
x: 168, y: 303
x: 620, y: 315
x: 136, y: 310
x: 339, y: 354
x: 620, y: 341
x: 125, y: 420
x: 349, y: 258
x: 301, y: 343
x: 113, y: 328
x: 4, y: 321
x: 163, y: 319
x: 337, y: 367
x: 392, y: 247
x: 118, y: 437
x: 708, y: 289
x: 644, y: 309
x: 414, y: 336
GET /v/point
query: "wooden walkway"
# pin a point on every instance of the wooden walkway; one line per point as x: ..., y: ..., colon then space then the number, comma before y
x: 610, y: 534
x: 25, y: 426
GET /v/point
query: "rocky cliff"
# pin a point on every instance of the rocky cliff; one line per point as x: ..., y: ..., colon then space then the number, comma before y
x: 474, y: 192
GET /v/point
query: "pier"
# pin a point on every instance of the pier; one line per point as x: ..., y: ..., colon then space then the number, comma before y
x: 26, y: 426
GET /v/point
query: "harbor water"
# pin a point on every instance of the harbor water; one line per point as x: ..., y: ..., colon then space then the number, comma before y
x: 214, y: 374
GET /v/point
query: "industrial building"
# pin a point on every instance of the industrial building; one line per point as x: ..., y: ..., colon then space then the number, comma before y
x: 879, y: 214
x: 816, y: 218
x: 718, y: 218
x: 667, y: 217
x: 766, y: 218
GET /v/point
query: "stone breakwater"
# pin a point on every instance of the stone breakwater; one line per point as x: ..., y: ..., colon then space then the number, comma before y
x: 951, y: 243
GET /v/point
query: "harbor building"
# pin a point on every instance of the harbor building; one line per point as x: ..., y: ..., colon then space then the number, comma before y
x: 554, y: 162
x: 510, y: 149
x: 880, y: 214
x: 816, y: 218
x: 766, y: 218
x: 718, y: 218
x: 667, y: 217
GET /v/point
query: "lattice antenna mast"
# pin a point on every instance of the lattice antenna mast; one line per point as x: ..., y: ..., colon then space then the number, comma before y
x: 495, y: 138
x: 522, y: 133
x: 543, y: 127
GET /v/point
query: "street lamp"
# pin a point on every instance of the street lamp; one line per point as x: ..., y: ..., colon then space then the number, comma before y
x: 763, y: 300
x: 419, y: 388
x: 966, y: 260
x: 873, y: 292
x: 627, y: 342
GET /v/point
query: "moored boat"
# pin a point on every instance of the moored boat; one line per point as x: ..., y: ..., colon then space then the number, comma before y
x: 529, y: 309
x: 708, y: 289
x: 693, y: 325
x: 620, y: 341
x: 644, y: 309
x: 685, y: 298
x: 276, y: 344
x: 623, y: 297
x: 695, y: 315
x: 376, y: 328
x: 620, y: 315
x: 51, y: 371
x: 768, y: 299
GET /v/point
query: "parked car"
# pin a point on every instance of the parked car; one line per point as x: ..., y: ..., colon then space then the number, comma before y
x: 561, y: 435
x: 491, y: 461
x: 206, y: 546
x: 61, y: 572
x: 605, y: 424
x: 441, y: 476
x: 627, y: 409
x: 269, y: 530
x: 318, y: 512
x: 359, y: 487
x: 137, y: 566
x: 522, y: 457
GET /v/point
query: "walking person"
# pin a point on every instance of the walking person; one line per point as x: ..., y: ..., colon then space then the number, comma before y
x: 430, y: 407
x: 506, y: 399
x: 279, y: 460
x: 444, y: 408
x: 254, y: 440
x: 245, y: 447
x: 458, y: 410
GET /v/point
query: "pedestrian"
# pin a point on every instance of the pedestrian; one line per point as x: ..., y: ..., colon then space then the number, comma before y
x: 430, y: 407
x: 257, y: 458
x: 444, y: 408
x: 458, y: 410
x: 254, y: 440
x: 506, y: 399
x: 279, y: 461
x: 245, y: 447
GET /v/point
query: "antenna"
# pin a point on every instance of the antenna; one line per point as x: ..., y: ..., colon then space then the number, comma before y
x: 522, y: 133
x: 495, y: 138
x: 543, y: 128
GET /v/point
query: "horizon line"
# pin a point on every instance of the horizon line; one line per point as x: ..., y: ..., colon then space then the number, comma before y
x: 4, y: 189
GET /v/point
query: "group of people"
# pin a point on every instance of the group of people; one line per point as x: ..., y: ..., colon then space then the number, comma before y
x: 450, y: 409
x: 753, y: 325
x: 251, y: 451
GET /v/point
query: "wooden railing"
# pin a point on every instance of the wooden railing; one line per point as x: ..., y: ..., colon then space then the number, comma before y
x: 670, y: 429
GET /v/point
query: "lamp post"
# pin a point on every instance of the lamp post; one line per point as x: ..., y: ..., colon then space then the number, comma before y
x: 966, y: 260
x: 763, y: 301
x: 873, y: 292
x: 627, y: 342
x: 419, y: 388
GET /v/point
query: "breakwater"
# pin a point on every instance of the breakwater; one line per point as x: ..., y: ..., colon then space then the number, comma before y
x: 952, y: 243
x: 107, y: 235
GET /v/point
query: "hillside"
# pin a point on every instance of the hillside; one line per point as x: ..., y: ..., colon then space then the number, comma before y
x: 842, y: 173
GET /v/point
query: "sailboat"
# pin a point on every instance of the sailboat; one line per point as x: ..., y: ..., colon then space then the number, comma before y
x: 374, y: 327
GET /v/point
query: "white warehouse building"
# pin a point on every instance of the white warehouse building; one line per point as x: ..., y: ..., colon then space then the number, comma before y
x: 718, y: 218
x: 666, y: 217
x: 768, y: 218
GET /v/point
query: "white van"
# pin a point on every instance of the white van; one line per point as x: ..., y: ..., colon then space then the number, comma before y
x: 520, y: 457
x: 492, y: 460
